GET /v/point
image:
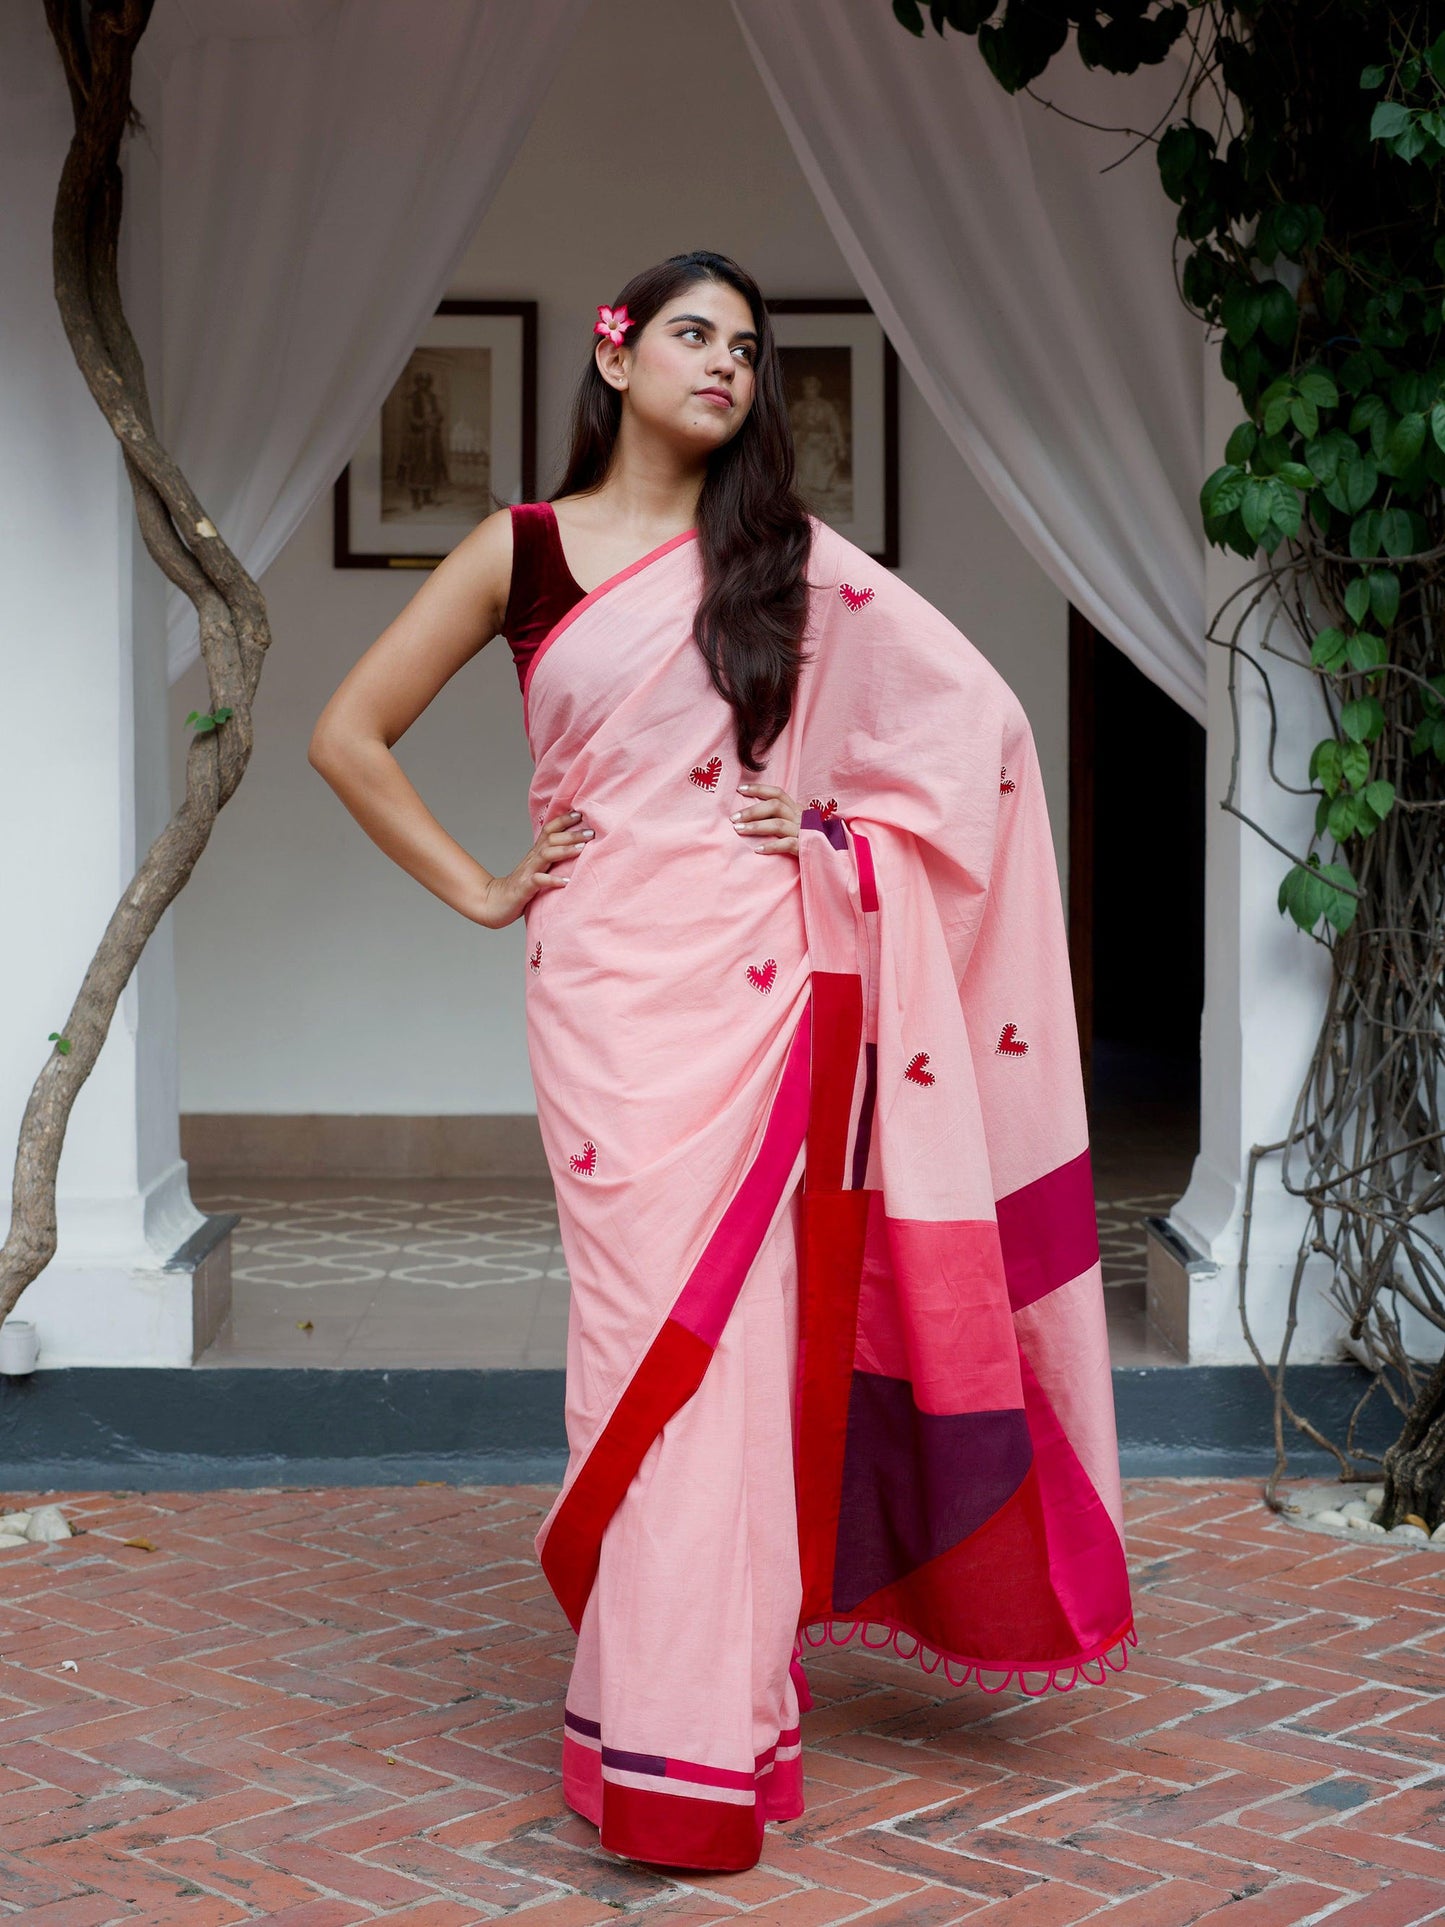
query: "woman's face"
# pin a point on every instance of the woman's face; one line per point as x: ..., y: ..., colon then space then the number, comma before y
x: 689, y: 375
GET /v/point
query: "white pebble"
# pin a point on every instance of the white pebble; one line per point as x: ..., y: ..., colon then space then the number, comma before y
x: 1330, y: 1517
x: 1412, y: 1534
x: 1357, y: 1509
x: 1437, y: 1537
x: 1359, y: 1524
x: 14, y: 1521
x: 1375, y: 1494
x: 47, y: 1522
x: 8, y: 1539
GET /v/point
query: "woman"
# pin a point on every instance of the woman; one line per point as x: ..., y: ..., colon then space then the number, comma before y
x: 807, y: 1076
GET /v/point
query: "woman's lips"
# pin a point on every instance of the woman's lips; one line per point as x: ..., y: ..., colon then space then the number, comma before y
x: 716, y: 394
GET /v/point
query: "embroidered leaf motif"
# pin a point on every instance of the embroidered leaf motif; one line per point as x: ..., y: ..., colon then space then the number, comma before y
x: 1006, y: 784
x: 825, y: 810
x: 705, y: 775
x: 763, y: 979
x: 917, y: 1071
x: 1010, y: 1044
x: 586, y: 1164
x: 535, y: 960
x: 855, y: 598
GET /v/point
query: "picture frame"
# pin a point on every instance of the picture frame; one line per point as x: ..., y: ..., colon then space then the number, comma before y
x: 454, y: 440
x: 840, y: 373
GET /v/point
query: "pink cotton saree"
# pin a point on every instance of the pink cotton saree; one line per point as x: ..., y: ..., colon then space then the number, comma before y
x: 836, y: 1356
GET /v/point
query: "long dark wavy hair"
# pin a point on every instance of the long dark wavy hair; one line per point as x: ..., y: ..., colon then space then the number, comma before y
x: 753, y: 528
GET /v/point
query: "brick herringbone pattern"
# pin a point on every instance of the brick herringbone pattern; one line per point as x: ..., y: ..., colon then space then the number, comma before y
x: 316, y: 1708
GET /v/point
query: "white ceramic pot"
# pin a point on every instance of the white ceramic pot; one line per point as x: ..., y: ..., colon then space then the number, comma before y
x: 19, y: 1347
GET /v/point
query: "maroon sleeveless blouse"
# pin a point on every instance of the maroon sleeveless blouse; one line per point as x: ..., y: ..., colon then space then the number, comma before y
x: 543, y: 587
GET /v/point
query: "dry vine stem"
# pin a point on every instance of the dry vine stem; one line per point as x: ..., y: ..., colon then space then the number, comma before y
x: 97, y: 45
x: 1365, y: 1146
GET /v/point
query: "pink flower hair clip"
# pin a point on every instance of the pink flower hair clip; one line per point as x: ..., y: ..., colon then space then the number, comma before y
x: 613, y: 322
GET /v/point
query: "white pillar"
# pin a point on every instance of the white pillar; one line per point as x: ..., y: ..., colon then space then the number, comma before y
x: 83, y: 767
x: 1264, y: 987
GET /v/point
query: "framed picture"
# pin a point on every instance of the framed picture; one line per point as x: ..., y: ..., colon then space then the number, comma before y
x: 840, y: 373
x: 455, y: 439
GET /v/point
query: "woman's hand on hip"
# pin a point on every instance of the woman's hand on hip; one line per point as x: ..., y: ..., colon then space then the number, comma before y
x: 504, y: 898
x: 771, y: 820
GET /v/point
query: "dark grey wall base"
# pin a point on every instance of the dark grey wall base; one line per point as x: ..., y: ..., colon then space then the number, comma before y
x: 88, y: 1429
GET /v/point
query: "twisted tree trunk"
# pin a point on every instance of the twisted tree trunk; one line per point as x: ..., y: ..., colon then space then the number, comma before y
x: 97, y: 44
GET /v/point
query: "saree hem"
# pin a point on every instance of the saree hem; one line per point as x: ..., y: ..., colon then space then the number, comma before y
x: 931, y: 1658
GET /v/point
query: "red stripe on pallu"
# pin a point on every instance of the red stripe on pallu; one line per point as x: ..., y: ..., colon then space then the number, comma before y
x: 830, y: 1271
x: 681, y: 1829
x: 837, y: 1038
x: 1049, y: 1231
x: 675, y: 1363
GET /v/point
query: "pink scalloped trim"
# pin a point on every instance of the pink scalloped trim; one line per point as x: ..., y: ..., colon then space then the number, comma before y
x: 1054, y: 1680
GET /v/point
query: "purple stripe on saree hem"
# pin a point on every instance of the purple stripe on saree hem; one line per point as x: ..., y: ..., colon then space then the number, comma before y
x: 634, y: 1762
x: 865, y: 1116
x: 705, y: 1301
x: 592, y: 1728
x: 1048, y: 1231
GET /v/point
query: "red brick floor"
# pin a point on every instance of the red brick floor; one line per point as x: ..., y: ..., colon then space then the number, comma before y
x: 322, y: 1707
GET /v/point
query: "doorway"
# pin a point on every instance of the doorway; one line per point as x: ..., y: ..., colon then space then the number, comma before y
x: 1136, y: 945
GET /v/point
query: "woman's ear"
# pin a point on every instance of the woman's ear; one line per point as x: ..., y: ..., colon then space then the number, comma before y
x: 611, y: 357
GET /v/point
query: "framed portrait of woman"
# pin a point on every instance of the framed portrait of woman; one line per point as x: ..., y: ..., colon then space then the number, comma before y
x: 840, y: 374
x: 454, y: 440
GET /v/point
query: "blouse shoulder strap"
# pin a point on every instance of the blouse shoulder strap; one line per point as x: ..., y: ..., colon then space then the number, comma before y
x: 534, y: 530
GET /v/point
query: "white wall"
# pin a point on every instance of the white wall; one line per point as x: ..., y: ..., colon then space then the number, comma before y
x: 314, y: 975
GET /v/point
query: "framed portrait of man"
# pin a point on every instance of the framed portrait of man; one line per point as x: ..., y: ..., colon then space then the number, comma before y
x: 840, y: 375
x: 454, y: 440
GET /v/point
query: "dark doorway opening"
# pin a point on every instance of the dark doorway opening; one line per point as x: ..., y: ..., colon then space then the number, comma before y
x: 1136, y: 936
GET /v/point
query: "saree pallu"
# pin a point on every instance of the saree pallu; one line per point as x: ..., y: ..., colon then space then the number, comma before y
x: 836, y: 1356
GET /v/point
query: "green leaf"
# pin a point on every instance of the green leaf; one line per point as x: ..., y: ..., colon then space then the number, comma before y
x: 1363, y: 719
x: 1365, y: 535
x: 1384, y: 596
x: 1328, y: 649
x: 1342, y: 818
x: 1358, y: 479
x: 62, y: 1044
x: 907, y: 14
x: 1380, y: 795
x: 1341, y: 900
x: 1316, y: 386
x: 1389, y: 119
x: 1366, y: 650
x: 1437, y: 423
x: 1177, y: 153
x: 1240, y: 311
x: 1278, y: 315
x: 1406, y: 440
x: 1354, y: 764
x: 1301, y: 894
x: 1372, y: 77
x: 1277, y: 413
x: 1397, y: 536
x: 1325, y: 765
x: 1222, y: 493
x: 1295, y: 474
x: 1357, y: 598
x: 1241, y: 444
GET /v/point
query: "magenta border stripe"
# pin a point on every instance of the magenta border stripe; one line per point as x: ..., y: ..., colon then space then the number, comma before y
x: 1049, y: 1231
x: 595, y: 595
x: 867, y: 881
x: 712, y: 1287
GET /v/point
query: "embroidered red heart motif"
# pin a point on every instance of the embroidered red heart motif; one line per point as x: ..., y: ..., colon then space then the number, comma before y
x: 763, y: 979
x: 916, y: 1071
x: 1010, y: 1044
x: 705, y: 775
x: 535, y: 960
x: 585, y: 1165
x: 1006, y: 784
x: 825, y: 810
x: 855, y: 598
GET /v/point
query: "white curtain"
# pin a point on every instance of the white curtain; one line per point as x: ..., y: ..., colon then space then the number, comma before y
x: 323, y: 165
x: 1030, y: 296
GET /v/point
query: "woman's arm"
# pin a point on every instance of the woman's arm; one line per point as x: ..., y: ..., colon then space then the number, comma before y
x: 456, y: 611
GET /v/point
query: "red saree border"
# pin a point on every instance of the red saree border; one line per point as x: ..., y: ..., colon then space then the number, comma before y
x: 593, y: 596
x: 1053, y: 1671
x: 674, y: 1364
